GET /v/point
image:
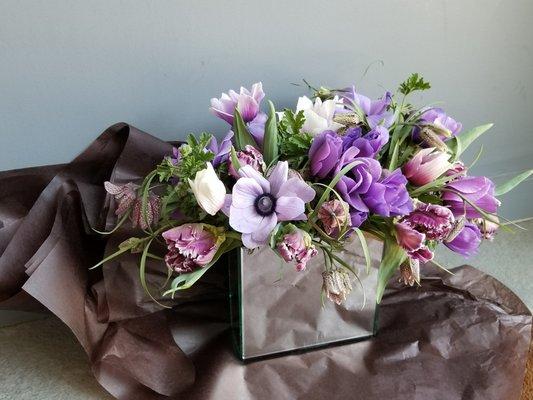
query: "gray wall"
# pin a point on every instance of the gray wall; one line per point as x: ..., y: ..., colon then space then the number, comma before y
x: 68, y: 69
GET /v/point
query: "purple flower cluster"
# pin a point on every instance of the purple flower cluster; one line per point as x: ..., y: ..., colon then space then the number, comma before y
x: 367, y: 187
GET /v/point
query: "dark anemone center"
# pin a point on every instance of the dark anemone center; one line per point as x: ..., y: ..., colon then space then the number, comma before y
x: 265, y: 204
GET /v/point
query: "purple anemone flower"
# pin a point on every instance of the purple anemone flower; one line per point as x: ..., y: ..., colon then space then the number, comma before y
x: 467, y: 241
x: 477, y: 190
x: 368, y: 144
x: 375, y: 110
x: 389, y: 197
x: 222, y: 150
x: 248, y: 103
x: 324, y: 153
x: 258, y: 203
x: 357, y: 182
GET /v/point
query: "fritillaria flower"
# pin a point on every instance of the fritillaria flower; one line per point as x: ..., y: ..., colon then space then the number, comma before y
x: 410, y: 272
x: 125, y: 195
x: 208, y: 189
x: 258, y: 203
x: 150, y: 215
x: 249, y: 156
x: 127, y: 199
x: 337, y: 285
x: 318, y: 115
x: 426, y: 166
x: 191, y: 246
x: 334, y: 215
x: 247, y: 102
x: 297, y: 246
x: 465, y: 195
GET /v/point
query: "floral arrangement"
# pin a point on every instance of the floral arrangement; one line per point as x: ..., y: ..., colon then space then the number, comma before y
x: 303, y: 181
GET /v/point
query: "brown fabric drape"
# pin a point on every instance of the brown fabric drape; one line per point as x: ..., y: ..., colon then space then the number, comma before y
x: 462, y: 336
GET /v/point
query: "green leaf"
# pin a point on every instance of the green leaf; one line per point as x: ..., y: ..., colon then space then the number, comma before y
x: 185, y: 281
x: 458, y: 144
x: 393, y: 257
x: 235, y: 160
x: 366, y: 252
x: 142, y: 274
x: 512, y: 183
x: 243, y: 136
x: 270, y: 143
x: 414, y: 82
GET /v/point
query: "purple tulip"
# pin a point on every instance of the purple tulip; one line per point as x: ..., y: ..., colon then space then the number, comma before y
x: 191, y: 246
x: 477, y: 190
x: 467, y: 241
x: 359, y: 181
x: 369, y: 144
x: 324, y: 153
x: 437, y: 117
x: 389, y: 197
x: 413, y: 242
x: 248, y: 103
x: 258, y: 203
x: 375, y: 110
x: 222, y: 150
x: 297, y: 246
x: 249, y: 156
x: 435, y: 221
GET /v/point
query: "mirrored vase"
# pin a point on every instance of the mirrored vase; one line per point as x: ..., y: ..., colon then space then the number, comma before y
x: 277, y: 310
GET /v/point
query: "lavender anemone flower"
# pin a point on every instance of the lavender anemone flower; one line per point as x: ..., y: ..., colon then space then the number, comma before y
x: 222, y: 150
x: 247, y: 102
x: 375, y: 110
x: 324, y: 153
x: 191, y: 246
x: 389, y: 197
x: 257, y: 203
x: 477, y: 190
x: 369, y: 144
x: 467, y: 241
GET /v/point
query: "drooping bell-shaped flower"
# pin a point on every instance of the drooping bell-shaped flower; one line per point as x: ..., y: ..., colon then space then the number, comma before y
x: 334, y: 215
x: 336, y: 285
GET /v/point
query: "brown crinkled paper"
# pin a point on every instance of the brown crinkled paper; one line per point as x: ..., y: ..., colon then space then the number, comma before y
x: 462, y: 336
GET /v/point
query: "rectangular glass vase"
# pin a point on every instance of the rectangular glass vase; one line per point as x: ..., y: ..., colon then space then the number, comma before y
x: 276, y: 309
